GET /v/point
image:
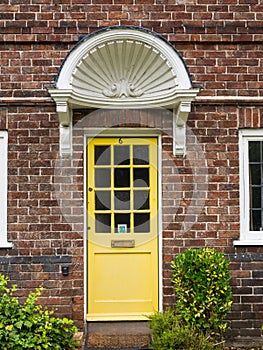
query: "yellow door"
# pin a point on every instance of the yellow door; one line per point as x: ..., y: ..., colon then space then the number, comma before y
x: 122, y: 228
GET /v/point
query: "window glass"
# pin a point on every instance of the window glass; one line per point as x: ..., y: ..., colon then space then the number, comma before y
x: 102, y: 200
x: 103, y: 223
x: 122, y: 200
x: 141, y: 200
x: 121, y: 155
x: 141, y: 177
x: 254, y: 151
x: 256, y: 185
x: 102, y: 177
x: 141, y: 223
x: 140, y: 155
x: 3, y: 188
x: 102, y: 155
x: 122, y: 220
x: 122, y: 177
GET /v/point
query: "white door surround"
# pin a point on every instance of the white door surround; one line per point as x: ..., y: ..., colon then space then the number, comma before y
x: 123, y: 66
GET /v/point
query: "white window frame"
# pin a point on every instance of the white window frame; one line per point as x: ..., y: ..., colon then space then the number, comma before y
x: 247, y: 237
x: 3, y: 189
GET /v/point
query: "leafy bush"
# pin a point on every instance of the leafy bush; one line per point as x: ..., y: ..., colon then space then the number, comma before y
x: 29, y: 326
x: 170, y: 333
x: 201, y: 281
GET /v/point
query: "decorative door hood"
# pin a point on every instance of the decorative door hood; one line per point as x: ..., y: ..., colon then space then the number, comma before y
x: 123, y: 67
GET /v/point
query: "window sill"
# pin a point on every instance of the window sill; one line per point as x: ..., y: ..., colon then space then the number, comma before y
x: 255, y: 242
x: 5, y: 244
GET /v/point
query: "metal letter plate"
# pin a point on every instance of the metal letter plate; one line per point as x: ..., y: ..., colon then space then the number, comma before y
x: 123, y: 243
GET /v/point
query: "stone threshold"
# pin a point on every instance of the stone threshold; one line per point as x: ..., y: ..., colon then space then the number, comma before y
x: 127, y: 335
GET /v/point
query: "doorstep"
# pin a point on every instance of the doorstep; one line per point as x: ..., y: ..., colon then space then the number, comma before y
x: 116, y: 349
x: 128, y: 335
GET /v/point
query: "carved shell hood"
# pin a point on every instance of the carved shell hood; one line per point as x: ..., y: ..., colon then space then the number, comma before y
x: 122, y: 65
x: 123, y: 69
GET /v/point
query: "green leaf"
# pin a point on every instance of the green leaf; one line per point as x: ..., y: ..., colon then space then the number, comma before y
x: 19, y: 324
x: 28, y: 324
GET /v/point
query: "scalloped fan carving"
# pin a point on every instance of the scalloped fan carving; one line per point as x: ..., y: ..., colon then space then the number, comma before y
x: 122, y: 69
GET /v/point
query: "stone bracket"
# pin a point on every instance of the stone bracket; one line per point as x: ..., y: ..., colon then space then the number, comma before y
x: 65, y: 140
x: 65, y: 129
x: 179, y: 127
x: 61, y: 98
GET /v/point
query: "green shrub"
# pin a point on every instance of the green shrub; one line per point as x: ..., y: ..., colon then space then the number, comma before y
x: 201, y: 281
x: 29, y: 326
x: 170, y: 333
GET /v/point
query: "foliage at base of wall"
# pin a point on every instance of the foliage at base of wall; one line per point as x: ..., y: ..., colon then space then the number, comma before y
x: 29, y: 326
x: 201, y: 279
x: 170, y: 332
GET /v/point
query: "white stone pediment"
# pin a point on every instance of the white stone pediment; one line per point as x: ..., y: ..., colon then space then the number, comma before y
x: 123, y: 69
x: 121, y: 66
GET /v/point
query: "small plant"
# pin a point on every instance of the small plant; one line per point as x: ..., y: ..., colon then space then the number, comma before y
x: 201, y: 281
x: 170, y: 333
x: 29, y: 326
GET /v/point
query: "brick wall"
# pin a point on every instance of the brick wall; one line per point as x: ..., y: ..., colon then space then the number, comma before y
x: 221, y: 43
x: 43, y: 241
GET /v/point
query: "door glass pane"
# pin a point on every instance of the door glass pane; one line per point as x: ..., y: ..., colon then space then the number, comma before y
x: 141, y: 223
x: 121, y: 177
x: 140, y: 155
x: 102, y: 200
x: 122, y: 200
x: 141, y: 200
x: 102, y: 155
x: 121, y: 155
x: 141, y: 177
x: 102, y: 177
x: 103, y: 223
x: 122, y: 219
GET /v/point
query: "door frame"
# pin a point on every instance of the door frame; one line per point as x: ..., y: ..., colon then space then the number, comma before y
x: 125, y: 132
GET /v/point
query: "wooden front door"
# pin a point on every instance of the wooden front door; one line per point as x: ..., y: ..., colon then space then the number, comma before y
x: 122, y: 228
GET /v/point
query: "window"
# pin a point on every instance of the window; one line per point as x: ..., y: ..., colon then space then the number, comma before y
x: 3, y: 189
x: 251, y: 187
